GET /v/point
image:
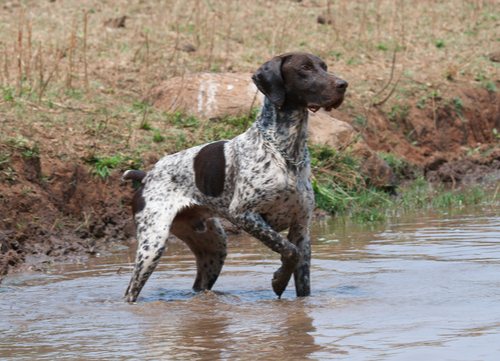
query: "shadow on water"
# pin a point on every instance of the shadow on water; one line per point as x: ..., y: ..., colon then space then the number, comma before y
x: 426, y: 286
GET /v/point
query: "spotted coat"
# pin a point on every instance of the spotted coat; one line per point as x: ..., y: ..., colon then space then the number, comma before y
x: 247, y: 180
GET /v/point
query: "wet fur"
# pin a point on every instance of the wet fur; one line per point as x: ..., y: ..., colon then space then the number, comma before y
x: 245, y: 180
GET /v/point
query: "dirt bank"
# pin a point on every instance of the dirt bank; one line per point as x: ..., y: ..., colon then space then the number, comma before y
x: 418, y: 130
x: 52, y: 210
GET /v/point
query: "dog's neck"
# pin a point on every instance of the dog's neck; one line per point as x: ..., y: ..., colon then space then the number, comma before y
x: 288, y: 127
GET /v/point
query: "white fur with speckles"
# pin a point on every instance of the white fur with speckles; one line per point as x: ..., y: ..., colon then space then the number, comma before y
x: 260, y: 196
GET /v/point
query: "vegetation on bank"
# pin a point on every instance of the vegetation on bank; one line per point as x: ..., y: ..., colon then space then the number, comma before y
x: 341, y: 189
x: 339, y: 185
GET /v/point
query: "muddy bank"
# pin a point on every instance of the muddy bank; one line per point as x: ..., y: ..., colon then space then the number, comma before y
x: 419, y: 129
x: 57, y: 211
x: 53, y: 210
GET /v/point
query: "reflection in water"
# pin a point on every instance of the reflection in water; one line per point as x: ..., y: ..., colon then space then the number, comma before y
x: 427, y: 286
x: 220, y: 326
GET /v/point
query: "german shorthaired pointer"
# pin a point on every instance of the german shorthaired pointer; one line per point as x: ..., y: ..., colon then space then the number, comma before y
x: 259, y: 181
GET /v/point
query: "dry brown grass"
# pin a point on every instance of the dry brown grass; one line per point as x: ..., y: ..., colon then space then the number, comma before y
x: 73, y: 89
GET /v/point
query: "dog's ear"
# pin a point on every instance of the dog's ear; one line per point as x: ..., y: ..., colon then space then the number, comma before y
x: 270, y: 82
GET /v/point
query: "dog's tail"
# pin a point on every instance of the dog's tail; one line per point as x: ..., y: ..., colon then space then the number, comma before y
x: 133, y: 175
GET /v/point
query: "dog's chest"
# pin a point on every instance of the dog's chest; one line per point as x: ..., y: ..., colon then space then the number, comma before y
x: 291, y: 204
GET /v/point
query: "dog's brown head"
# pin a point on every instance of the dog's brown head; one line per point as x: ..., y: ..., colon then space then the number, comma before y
x: 299, y: 80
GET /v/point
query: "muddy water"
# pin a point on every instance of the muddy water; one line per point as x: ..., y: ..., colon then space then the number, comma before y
x: 426, y: 287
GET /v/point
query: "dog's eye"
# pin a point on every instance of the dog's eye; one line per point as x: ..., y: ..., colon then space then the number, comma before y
x: 306, y: 67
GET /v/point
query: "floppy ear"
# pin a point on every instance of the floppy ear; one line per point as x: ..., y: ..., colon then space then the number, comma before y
x: 269, y: 81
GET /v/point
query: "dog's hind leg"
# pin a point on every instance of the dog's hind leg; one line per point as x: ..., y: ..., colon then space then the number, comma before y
x: 153, y: 227
x: 207, y: 240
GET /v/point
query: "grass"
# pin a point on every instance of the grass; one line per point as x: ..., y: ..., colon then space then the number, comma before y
x: 7, y: 174
x: 72, y: 87
x: 341, y: 189
x: 101, y: 166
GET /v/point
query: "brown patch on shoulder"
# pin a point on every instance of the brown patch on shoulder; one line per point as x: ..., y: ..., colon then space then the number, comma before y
x: 210, y: 169
x: 138, y: 201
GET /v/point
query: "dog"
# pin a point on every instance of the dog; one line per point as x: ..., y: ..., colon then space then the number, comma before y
x: 259, y: 181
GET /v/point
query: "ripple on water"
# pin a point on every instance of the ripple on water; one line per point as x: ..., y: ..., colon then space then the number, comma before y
x: 427, y: 286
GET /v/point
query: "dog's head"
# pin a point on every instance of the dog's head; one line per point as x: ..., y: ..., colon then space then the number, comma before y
x: 300, y: 80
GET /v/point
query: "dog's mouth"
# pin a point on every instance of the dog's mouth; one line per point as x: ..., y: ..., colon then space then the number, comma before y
x: 334, y: 105
x: 313, y: 107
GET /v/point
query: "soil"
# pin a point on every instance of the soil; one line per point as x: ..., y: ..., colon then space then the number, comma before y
x: 55, y: 209
x: 449, y: 129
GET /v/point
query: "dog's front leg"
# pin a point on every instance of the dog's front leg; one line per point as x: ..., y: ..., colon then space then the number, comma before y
x: 299, y: 236
x: 255, y: 225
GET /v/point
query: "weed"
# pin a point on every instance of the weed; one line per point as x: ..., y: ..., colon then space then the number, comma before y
x: 8, y: 93
x: 179, y: 141
x: 115, y: 88
x: 439, y: 43
x: 459, y: 106
x: 335, y: 55
x: 158, y: 137
x: 4, y: 159
x: 187, y: 122
x: 101, y: 166
x: 22, y: 145
x: 360, y: 120
x: 421, y: 103
x: 480, y: 77
x: 496, y: 133
x: 490, y: 86
x: 434, y: 94
x: 18, y: 142
x: 21, y: 225
x: 7, y: 174
x: 424, y: 195
x: 31, y: 152
x: 398, y: 112
x: 86, y: 223
x: 401, y: 168
x: 471, y: 151
x: 354, y: 61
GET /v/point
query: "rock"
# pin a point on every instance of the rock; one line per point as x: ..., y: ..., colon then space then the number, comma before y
x: 495, y: 56
x: 340, y: 135
x: 189, y: 48
x: 206, y: 95
x: 326, y: 130
x: 116, y: 22
x: 324, y: 19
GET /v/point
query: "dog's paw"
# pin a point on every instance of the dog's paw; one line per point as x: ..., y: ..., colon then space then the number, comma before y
x: 280, y: 281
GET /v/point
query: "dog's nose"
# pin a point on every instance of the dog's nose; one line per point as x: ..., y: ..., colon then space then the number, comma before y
x: 341, y: 84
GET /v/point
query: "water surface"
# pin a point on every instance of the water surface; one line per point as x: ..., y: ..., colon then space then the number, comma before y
x: 424, y: 287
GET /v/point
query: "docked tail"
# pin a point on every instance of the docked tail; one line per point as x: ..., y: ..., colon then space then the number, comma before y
x: 133, y: 175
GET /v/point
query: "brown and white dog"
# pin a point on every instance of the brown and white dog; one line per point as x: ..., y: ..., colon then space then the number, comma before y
x: 259, y: 181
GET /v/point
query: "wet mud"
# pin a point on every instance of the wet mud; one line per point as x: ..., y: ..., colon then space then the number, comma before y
x: 55, y: 210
